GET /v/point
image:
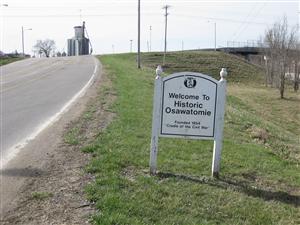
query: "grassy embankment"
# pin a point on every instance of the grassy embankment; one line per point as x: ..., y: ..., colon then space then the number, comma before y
x: 4, y: 61
x: 260, y: 173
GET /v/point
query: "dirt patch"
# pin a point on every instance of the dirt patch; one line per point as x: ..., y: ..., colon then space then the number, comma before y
x: 45, y: 183
x: 259, y: 134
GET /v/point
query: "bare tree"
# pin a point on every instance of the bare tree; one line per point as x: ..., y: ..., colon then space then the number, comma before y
x: 44, y: 47
x: 268, y: 50
x: 297, y: 67
x: 280, y: 43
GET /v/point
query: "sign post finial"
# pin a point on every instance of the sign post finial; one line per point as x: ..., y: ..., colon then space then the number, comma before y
x: 158, y: 71
x: 223, y: 73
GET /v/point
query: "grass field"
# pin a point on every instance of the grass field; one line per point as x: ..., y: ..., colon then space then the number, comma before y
x: 4, y: 61
x: 260, y: 173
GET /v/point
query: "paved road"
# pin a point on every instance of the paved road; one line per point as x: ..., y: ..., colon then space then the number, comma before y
x: 33, y: 92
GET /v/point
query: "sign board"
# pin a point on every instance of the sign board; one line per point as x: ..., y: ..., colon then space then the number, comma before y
x: 188, y: 106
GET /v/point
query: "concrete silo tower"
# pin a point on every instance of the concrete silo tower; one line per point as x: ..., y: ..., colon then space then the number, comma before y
x: 79, y: 44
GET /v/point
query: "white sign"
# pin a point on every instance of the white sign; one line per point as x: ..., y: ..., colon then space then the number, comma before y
x: 188, y: 106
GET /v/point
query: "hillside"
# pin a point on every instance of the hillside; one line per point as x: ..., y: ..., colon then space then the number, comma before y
x: 259, y: 181
x: 207, y: 62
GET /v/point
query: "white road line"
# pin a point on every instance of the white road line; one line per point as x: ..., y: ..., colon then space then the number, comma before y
x: 14, y: 150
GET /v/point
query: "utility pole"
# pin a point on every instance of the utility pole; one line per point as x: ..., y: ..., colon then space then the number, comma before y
x: 215, y: 36
x: 148, y: 46
x: 166, y: 27
x: 139, y: 36
x: 182, y: 46
x: 23, y: 52
x: 130, y: 45
x: 150, y: 37
x: 23, y: 42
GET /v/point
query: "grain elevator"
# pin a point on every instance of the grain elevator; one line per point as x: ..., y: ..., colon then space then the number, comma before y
x: 79, y: 44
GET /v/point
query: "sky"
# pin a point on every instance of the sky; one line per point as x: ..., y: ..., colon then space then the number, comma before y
x: 111, y: 24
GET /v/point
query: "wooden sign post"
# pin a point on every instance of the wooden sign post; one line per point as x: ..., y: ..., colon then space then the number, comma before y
x: 188, y: 105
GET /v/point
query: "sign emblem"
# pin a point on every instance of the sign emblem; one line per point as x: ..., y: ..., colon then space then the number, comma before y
x: 190, y: 82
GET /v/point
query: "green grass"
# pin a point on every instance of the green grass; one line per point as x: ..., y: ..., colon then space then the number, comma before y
x: 253, y: 108
x: 257, y: 185
x: 72, y: 137
x: 4, y: 61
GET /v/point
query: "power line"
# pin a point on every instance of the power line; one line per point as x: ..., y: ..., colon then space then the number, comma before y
x: 74, y: 15
x: 244, y: 21
x: 247, y: 24
x: 221, y: 19
x: 133, y: 15
x: 100, y: 3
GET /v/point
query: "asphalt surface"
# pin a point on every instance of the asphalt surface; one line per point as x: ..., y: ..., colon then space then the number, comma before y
x: 35, y: 90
